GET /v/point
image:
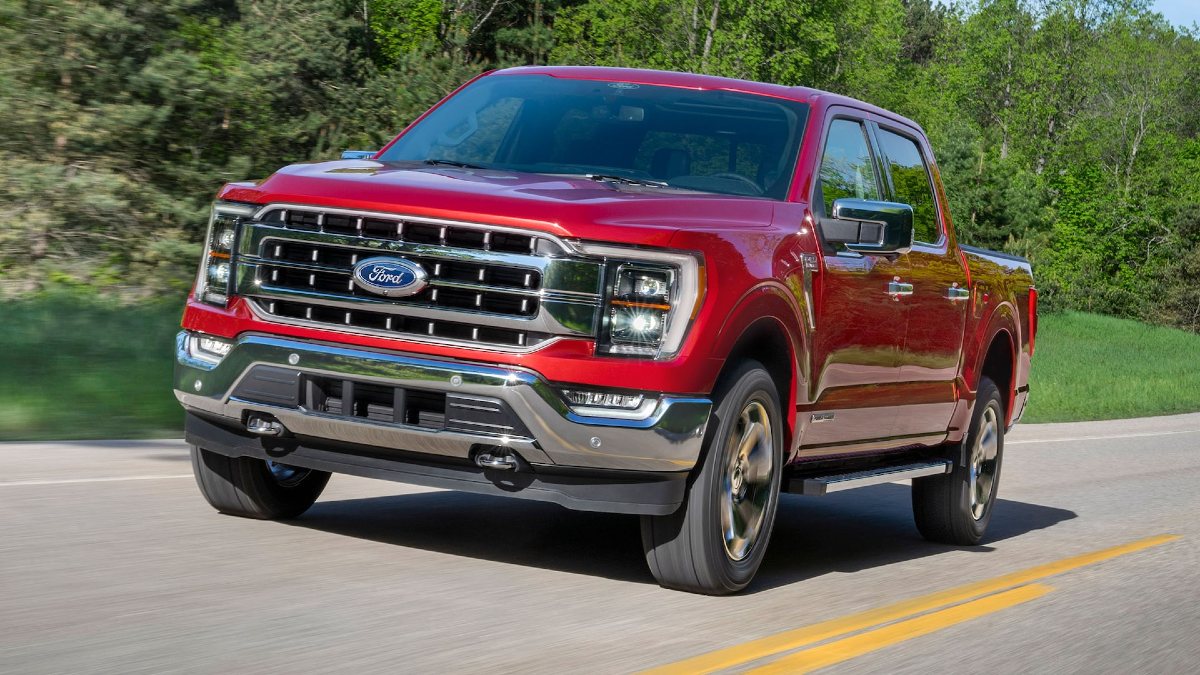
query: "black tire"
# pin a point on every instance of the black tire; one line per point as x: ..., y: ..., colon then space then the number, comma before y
x: 687, y: 550
x: 244, y: 486
x: 942, y: 505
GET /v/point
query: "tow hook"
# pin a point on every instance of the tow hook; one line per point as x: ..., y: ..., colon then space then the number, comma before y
x: 264, y: 425
x: 497, y: 459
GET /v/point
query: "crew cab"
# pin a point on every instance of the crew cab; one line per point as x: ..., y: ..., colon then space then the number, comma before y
x: 617, y: 290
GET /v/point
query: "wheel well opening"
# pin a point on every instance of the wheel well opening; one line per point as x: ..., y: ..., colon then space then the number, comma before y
x: 767, y: 343
x: 998, y: 367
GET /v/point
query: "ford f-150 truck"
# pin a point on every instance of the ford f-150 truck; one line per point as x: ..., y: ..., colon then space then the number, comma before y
x: 617, y: 290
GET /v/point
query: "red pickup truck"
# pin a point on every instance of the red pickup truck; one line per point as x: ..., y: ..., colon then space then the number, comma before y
x: 617, y: 290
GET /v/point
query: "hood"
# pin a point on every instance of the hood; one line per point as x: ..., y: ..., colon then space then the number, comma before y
x: 565, y: 206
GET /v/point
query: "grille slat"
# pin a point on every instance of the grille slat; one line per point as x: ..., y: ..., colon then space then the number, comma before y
x: 408, y: 230
x: 401, y: 326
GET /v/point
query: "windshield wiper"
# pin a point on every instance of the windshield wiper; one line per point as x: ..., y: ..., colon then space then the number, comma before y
x: 451, y: 162
x: 626, y: 180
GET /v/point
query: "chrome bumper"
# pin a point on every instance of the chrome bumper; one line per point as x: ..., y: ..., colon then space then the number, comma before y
x: 667, y: 440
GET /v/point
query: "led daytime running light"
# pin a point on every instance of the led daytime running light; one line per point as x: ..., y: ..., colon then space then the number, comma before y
x: 602, y: 399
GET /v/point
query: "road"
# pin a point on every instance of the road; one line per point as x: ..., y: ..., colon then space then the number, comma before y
x: 110, y: 562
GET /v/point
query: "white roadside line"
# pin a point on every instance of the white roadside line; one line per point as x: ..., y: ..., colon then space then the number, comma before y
x: 68, y: 481
x: 1025, y: 441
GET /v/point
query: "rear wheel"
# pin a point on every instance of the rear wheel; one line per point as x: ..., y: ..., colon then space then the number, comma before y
x: 716, y: 541
x: 253, y: 488
x: 955, y: 508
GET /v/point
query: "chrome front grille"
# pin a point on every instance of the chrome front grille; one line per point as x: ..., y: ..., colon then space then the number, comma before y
x: 488, y: 286
x: 455, y: 285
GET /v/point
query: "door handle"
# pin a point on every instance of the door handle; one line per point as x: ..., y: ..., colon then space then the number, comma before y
x: 956, y: 294
x: 898, y: 288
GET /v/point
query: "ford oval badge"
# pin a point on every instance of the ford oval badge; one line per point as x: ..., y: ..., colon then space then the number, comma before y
x: 391, y: 277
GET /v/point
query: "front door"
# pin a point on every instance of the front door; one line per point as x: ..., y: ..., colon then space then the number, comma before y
x: 860, y: 326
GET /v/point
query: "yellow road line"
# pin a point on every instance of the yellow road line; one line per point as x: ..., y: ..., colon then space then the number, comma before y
x: 828, y: 654
x: 800, y: 637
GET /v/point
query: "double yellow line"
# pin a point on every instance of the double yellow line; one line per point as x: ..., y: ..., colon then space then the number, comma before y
x: 904, y: 620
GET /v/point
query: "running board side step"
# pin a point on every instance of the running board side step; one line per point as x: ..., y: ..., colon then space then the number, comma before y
x: 821, y: 485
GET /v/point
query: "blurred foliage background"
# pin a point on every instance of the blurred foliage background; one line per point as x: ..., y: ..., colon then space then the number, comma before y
x: 1066, y: 130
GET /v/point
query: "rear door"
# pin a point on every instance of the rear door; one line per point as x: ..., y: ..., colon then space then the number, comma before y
x: 860, y: 328
x: 938, y: 305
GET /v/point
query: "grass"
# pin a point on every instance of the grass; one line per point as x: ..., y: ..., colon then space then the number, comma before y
x: 77, y: 367
x: 1090, y: 367
x: 73, y: 366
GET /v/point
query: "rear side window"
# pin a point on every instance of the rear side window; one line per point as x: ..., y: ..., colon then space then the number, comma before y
x: 846, y: 167
x: 910, y: 179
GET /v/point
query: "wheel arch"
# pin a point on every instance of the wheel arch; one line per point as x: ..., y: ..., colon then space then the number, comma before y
x: 996, y: 355
x: 999, y: 365
x: 766, y: 326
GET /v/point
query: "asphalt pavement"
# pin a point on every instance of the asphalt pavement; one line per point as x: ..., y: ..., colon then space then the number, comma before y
x: 111, y: 562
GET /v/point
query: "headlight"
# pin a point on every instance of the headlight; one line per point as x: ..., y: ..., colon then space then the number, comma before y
x: 640, y: 302
x: 214, y: 284
x: 652, y: 298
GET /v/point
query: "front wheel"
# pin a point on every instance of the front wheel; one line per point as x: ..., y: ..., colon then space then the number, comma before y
x: 716, y: 541
x: 254, y: 488
x: 955, y: 508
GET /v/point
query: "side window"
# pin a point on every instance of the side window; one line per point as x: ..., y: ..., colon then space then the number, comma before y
x: 910, y: 179
x: 846, y: 168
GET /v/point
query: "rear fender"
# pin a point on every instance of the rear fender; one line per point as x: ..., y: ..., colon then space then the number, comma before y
x: 1001, y: 323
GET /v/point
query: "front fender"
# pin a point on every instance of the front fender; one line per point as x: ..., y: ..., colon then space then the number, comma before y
x: 770, y: 306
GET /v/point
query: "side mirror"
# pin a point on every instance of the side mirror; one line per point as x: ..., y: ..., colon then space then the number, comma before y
x: 358, y: 154
x: 869, y: 226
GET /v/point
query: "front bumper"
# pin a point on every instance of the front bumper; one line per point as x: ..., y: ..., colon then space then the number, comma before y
x: 549, y: 436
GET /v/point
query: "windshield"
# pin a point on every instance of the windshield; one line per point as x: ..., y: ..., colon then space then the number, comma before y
x: 659, y: 137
